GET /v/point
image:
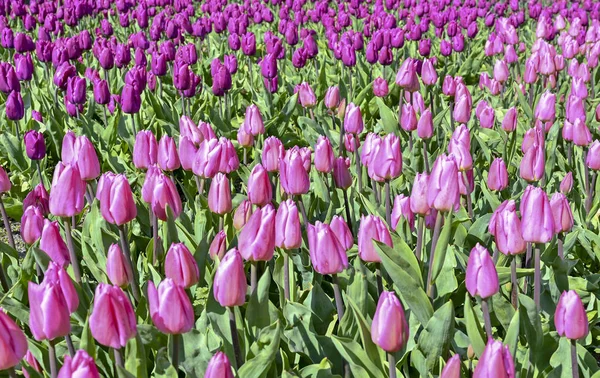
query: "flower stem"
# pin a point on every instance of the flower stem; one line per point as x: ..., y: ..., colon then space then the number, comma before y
x: 135, y: 289
x: 39, y: 171
x: 235, y: 338
x: 175, y: 357
x: 434, y: 240
x: 574, y: 362
x: 420, y: 229
x: 537, y: 280
x: 468, y: 195
x: 253, y: 276
x: 72, y: 255
x: 347, y: 206
x: 358, y: 166
x: 303, y: 211
x: 118, y: 359
x: 70, y: 347
x: 392, y: 364
x: 339, y: 304
x: 133, y: 125
x: 388, y: 203
x: 154, y: 238
x: 486, y: 318
x: 9, y: 234
x: 561, y: 248
x: 286, y: 276
x: 425, y: 157
x: 379, y: 278
x: 52, y: 359
x: 515, y: 284
x: 11, y: 373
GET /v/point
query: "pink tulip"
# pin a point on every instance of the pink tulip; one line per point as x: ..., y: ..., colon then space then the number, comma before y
x: 242, y: 214
x: 452, y: 368
x: 567, y: 183
x: 219, y: 367
x: 230, y: 286
x: 245, y: 137
x: 170, y: 307
x: 407, y: 76
x: 37, y: 197
x: 145, y: 149
x: 324, y: 155
x: 353, y: 122
x: 218, y: 245
x: 462, y: 110
x: 117, y: 269
x: 53, y: 244
x: 219, y: 195
x: 327, y: 255
x: 112, y: 321
x: 386, y: 159
x: 13, y: 342
x: 256, y: 241
x: 332, y: 97
x: 389, y: 329
x: 460, y: 148
x: 180, y: 266
x: 116, y: 199
x: 443, y: 192
x: 165, y: 195
x: 418, y: 195
x: 288, y: 234
x: 496, y: 361
x: 80, y: 365
x: 168, y: 158
x: 49, y: 316
x: 546, y: 107
x: 294, y: 177
x: 498, y: 175
x: 425, y: 125
x: 372, y: 228
x: 428, y: 73
x: 537, y: 220
x: 254, y: 120
x: 408, y: 118
x: 260, y: 191
x: 273, y: 153
x: 67, y: 191
x: 509, y: 123
x: 533, y: 163
x: 593, y: 156
x: 341, y: 173
x: 208, y: 158
x: 32, y: 224
x: 570, y: 318
x: 481, y: 276
x: 561, y: 213
x: 485, y: 114
x: 31, y: 362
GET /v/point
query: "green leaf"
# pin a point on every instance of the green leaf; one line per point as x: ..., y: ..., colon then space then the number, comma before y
x: 442, y: 246
x: 504, y: 273
x: 474, y: 330
x: 410, y: 289
x: 435, y: 339
x: 135, y: 357
x: 530, y: 323
x: 365, y: 336
x: 87, y: 341
x: 561, y: 360
x: 264, y: 349
x: 321, y: 370
x: 257, y: 313
x: 389, y: 122
x: 14, y: 151
x: 512, y: 334
x: 353, y: 353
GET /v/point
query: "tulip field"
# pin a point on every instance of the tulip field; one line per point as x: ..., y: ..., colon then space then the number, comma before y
x: 291, y: 188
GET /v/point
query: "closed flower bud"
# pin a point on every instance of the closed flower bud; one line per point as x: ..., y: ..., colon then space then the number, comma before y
x: 372, y: 228
x: 332, y: 97
x: 288, y: 234
x: 462, y: 110
x: 13, y: 341
x: 117, y: 269
x: 306, y: 96
x: 481, y: 276
x: 67, y: 191
x: 341, y: 173
x: 425, y: 125
x: 561, y: 213
x: 253, y: 120
x: 229, y: 285
x: 443, y: 188
x: 452, y: 368
x: 15, y: 109
x: 408, y: 119
x: 32, y: 224
x: 145, y: 149
x: 170, y: 307
x: 324, y: 156
x: 165, y: 194
x: 380, y: 87
x: 546, y: 107
x: 112, y: 322
x: 219, y: 195
x: 218, y: 367
x: 496, y: 361
x: 218, y: 245
x: 570, y: 318
x: 49, y: 316
x: 353, y: 122
x: 80, y: 365
x: 168, y: 158
x: 242, y: 214
x: 485, y: 115
x: 273, y: 153
x: 509, y: 123
x: 294, y: 176
x: 567, y: 183
x: 259, y: 186
x: 537, y: 220
x: 53, y: 244
x: 428, y: 73
x: 256, y: 241
x: 342, y: 232
x: 418, y: 195
x: 593, y: 156
x: 327, y: 255
x: 117, y: 205
x: 498, y: 175
x: 389, y: 329
x: 402, y: 210
x: 35, y: 145
x: 385, y: 162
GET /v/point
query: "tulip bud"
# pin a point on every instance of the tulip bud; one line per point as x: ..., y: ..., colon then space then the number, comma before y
x: 533, y: 163
x: 341, y: 173
x: 462, y: 110
x: 340, y: 229
x: 428, y: 73
x: 80, y: 365
x: 288, y: 234
x: 452, y: 368
x: 327, y: 255
x: 53, y: 244
x: 324, y: 156
x: 332, y: 97
x: 407, y: 76
x: 229, y: 285
x: 561, y: 213
x: 537, y: 220
x: 168, y: 159
x: 112, y: 321
x: 481, y: 276
x: 164, y: 193
x: 15, y: 109
x: 593, y: 156
x: 117, y: 269
x: 254, y: 121
x: 498, y: 175
x: 385, y: 162
x: 5, y: 184
x: 259, y: 186
x: 273, y: 153
x: 219, y: 367
x: 117, y: 205
x: 402, y: 209
x: 425, y: 125
x: 242, y: 214
x: 567, y: 183
x: 485, y: 115
x: 180, y: 266
x: 170, y: 307
x: 32, y: 224
x: 187, y: 152
x: 49, y: 316
x: 372, y: 228
x: 546, y: 107
x: 353, y: 122
x: 37, y: 197
x: 145, y: 149
x: 501, y: 72
x: 31, y: 362
x: 57, y: 275
x: 380, y: 87
x: 13, y: 341
x: 294, y: 176
x: 35, y: 145
x: 408, y: 119
x: 509, y: 123
x: 389, y: 329
x: 460, y: 146
x: 418, y: 195
x: 496, y: 361
x: 219, y: 195
x: 256, y: 241
x: 570, y: 318
x: 218, y: 245
x: 443, y: 192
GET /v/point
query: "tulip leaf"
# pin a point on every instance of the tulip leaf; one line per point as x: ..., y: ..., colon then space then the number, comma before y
x: 561, y: 360
x: 446, y: 282
x: 434, y: 340
x: 41, y: 258
x: 531, y: 325
x: 356, y: 357
x: 441, y: 247
x: 374, y: 353
x: 523, y: 102
x: 512, y: 334
x: 257, y: 313
x: 321, y: 370
x: 13, y: 151
x: 388, y: 121
x: 135, y: 357
x: 87, y: 342
x: 504, y: 273
x: 264, y: 350
x: 410, y: 287
x: 474, y: 330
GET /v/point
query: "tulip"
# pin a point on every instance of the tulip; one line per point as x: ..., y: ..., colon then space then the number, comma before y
x: 509, y: 123
x: 219, y: 195
x: 130, y: 100
x: 580, y: 133
x: 402, y: 210
x: 57, y: 275
x: 428, y: 73
x: 460, y: 146
x: 496, y: 361
x: 353, y: 122
x: 32, y: 224
x: 593, y: 156
x: 306, y: 96
x: 327, y: 255
x: 485, y: 115
x: 501, y: 72
x: 80, y: 151
x: 294, y: 176
x: 117, y: 268
x: 229, y: 287
x: 208, y: 158
x: 170, y: 307
x: 37, y: 197
x: 418, y: 195
x: 81, y: 365
x: 76, y: 90
x: 218, y: 367
x: 389, y: 329
x: 425, y: 125
x: 372, y: 228
x: 181, y: 267
x: 187, y: 152
x: 15, y: 109
x: 35, y: 145
x: 49, y: 316
x: 101, y: 92
x: 53, y: 244
x: 341, y: 173
x: 386, y: 159
x: 498, y: 175
x: 567, y: 183
x: 332, y: 97
x: 481, y: 276
x: 273, y: 153
x: 13, y: 341
x: 256, y: 241
x: 561, y: 213
x: 112, y: 321
x: 533, y: 163
x: 242, y: 214
x: 407, y: 76
x: 288, y: 234
x: 259, y: 187
x: 570, y: 318
x: 341, y: 230
x: 537, y: 220
x: 462, y: 110
x: 505, y: 225
x: 324, y: 156
x: 546, y: 107
x: 145, y: 150
x: 167, y: 158
x: 254, y: 120
x: 164, y: 193
x: 408, y: 119
x: 380, y: 87
x: 31, y: 362
x: 442, y: 189
x: 452, y: 368
x: 117, y: 205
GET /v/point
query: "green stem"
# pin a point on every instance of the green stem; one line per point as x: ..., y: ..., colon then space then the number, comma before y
x: 72, y: 254
x: 175, y: 358
x: 9, y: 234
x: 135, y: 289
x: 486, y: 318
x: 235, y: 338
x: 436, y: 235
x: 392, y: 365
